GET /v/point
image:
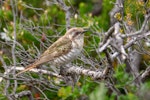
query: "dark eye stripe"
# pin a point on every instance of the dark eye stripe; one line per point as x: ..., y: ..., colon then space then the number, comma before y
x: 77, y: 33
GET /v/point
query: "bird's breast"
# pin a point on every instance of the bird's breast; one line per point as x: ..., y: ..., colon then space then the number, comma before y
x: 71, y: 55
x: 66, y: 58
x: 78, y: 43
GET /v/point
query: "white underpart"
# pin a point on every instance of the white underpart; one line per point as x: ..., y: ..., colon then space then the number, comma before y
x: 62, y: 59
x: 56, y: 60
x: 75, y: 51
x: 65, y: 57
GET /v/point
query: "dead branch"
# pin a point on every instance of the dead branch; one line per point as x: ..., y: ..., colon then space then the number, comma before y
x: 23, y: 94
x: 145, y: 74
x: 66, y: 8
x: 74, y: 69
x: 140, y: 31
x: 118, y: 8
x: 131, y: 42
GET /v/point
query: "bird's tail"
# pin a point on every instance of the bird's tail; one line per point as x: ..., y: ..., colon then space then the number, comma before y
x: 27, y: 68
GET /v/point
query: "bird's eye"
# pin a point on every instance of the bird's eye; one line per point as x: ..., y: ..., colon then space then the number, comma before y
x: 77, y: 33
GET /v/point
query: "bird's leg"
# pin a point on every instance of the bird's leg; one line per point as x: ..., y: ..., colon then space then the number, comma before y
x: 62, y: 71
x: 69, y: 78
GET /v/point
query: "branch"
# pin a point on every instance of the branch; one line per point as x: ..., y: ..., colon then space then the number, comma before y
x: 107, y: 35
x: 118, y: 8
x: 3, y: 62
x: 103, y: 45
x: 67, y: 10
x: 87, y: 72
x: 131, y: 42
x: 145, y: 74
x: 13, y: 3
x: 22, y: 94
x: 74, y: 69
x: 14, y: 32
x: 141, y: 30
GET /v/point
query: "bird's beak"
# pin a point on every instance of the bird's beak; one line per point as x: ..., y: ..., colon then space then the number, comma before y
x: 84, y: 31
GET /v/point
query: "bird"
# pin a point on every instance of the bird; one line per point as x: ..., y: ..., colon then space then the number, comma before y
x: 63, y: 51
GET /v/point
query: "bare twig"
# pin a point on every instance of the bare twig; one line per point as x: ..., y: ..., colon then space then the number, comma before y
x: 104, y: 46
x: 113, y: 88
x: 107, y: 35
x: 30, y: 7
x: 87, y: 72
x: 73, y: 69
x: 13, y: 3
x: 131, y: 42
x: 141, y: 30
x: 107, y: 40
x: 118, y: 8
x: 22, y: 94
x: 32, y: 70
x: 41, y: 92
x: 145, y: 74
x: 67, y: 11
x: 3, y: 62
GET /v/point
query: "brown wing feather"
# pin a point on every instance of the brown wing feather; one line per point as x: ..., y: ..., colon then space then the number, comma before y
x: 61, y: 42
x: 60, y: 47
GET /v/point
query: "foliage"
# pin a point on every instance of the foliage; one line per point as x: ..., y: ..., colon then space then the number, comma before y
x: 40, y: 27
x: 134, y: 11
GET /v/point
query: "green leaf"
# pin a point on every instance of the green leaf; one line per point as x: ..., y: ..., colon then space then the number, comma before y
x: 99, y: 93
x: 64, y: 92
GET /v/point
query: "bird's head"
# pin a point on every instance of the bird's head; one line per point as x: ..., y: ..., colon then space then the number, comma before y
x: 75, y: 33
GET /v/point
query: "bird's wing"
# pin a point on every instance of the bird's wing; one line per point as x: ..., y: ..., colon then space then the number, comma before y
x: 58, y: 48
